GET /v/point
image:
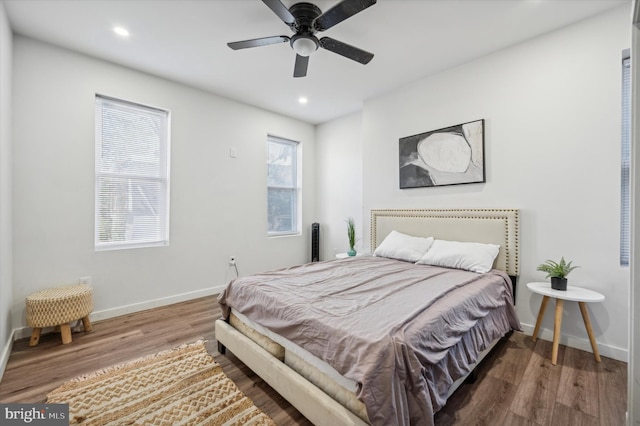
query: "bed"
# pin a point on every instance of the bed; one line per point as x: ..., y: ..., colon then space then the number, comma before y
x: 370, y: 340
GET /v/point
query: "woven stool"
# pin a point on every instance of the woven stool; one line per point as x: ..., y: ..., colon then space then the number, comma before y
x: 58, y: 307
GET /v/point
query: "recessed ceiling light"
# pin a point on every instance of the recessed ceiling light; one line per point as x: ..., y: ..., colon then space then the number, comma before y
x: 121, y: 31
x: 303, y: 100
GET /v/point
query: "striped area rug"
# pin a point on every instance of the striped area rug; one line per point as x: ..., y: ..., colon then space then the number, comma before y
x: 181, y: 386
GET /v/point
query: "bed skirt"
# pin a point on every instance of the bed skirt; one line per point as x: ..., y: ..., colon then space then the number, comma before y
x: 309, y: 390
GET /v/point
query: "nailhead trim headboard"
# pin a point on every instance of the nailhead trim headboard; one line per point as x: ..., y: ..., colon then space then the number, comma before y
x: 495, y: 226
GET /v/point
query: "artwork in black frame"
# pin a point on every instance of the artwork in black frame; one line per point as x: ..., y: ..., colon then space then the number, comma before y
x: 450, y: 156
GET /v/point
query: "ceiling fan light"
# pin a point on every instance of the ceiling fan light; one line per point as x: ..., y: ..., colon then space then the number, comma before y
x: 304, y: 45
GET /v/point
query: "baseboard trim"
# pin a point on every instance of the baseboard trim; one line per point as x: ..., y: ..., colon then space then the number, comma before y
x: 609, y: 351
x: 24, y: 332
x: 6, y: 351
x: 150, y: 304
x: 619, y: 354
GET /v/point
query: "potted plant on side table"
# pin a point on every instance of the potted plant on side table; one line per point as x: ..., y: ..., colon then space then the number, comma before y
x: 351, y: 234
x: 558, y: 272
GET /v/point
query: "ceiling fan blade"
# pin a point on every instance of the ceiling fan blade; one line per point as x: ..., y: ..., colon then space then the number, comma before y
x: 302, y: 63
x: 281, y: 10
x: 264, y: 41
x: 346, y: 50
x: 341, y: 11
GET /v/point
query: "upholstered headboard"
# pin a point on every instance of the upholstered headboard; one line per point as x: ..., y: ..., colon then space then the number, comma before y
x: 495, y: 226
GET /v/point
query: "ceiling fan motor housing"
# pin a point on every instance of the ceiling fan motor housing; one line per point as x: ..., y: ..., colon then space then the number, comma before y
x: 303, y: 42
x: 305, y: 14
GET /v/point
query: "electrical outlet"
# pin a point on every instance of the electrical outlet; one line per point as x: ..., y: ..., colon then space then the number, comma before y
x: 232, y: 260
x: 85, y: 280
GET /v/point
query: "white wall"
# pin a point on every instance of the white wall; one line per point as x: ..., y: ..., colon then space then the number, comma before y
x: 6, y: 285
x: 339, y: 183
x: 552, y: 146
x: 218, y: 203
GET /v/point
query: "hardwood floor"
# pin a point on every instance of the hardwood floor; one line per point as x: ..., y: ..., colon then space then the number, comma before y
x: 516, y: 385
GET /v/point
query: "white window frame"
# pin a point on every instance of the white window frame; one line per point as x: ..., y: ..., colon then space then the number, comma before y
x: 295, y: 187
x: 161, y: 177
x: 625, y: 166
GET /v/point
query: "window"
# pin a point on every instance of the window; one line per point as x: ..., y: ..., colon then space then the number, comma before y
x: 282, y: 186
x: 132, y: 175
x: 625, y: 191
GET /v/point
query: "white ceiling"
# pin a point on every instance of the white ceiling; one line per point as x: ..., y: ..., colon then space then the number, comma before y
x: 185, y: 41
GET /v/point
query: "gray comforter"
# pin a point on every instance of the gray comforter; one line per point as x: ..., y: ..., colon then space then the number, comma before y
x: 403, y: 332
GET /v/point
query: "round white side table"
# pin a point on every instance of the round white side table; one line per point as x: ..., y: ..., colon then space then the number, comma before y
x: 573, y: 294
x: 345, y: 255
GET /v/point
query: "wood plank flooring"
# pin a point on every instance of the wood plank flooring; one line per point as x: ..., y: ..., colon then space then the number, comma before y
x: 516, y: 385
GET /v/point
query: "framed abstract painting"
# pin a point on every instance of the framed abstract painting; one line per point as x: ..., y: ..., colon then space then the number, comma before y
x: 450, y: 156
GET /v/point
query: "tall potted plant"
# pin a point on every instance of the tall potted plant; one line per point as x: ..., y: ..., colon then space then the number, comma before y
x: 351, y: 234
x: 558, y: 272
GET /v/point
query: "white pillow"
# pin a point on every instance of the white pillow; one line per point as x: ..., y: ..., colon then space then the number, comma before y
x: 474, y: 257
x: 403, y: 247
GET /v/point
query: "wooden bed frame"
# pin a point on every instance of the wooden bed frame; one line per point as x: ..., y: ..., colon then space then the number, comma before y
x: 496, y: 226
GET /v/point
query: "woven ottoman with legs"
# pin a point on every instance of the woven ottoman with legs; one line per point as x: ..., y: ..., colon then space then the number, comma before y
x: 58, y: 307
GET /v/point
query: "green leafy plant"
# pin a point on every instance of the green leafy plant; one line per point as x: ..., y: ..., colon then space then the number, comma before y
x: 351, y: 232
x: 556, y: 269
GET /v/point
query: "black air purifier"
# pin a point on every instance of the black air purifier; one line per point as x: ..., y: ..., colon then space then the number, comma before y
x: 315, y: 242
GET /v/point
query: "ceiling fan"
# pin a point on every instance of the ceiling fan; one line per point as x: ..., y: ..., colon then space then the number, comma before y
x: 305, y: 19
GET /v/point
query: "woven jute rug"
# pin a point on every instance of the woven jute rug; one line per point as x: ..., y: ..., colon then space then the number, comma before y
x: 181, y: 386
